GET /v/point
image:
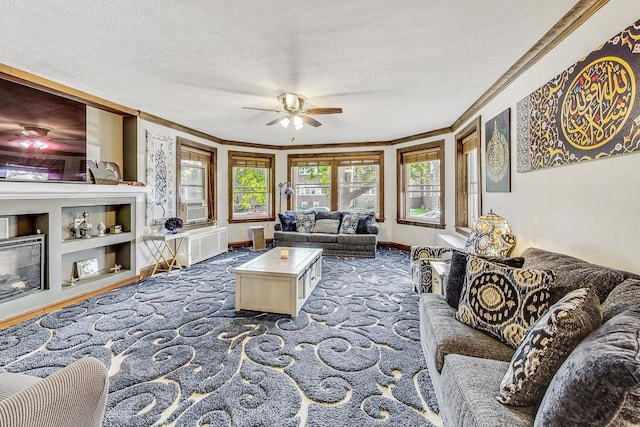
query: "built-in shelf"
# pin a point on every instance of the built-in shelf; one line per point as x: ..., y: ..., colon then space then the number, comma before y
x: 75, y: 245
x: 106, y: 278
x: 51, y: 209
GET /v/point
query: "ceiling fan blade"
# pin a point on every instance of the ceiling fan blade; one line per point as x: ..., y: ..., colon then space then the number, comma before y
x: 261, y: 109
x: 278, y: 120
x: 323, y: 111
x: 310, y: 121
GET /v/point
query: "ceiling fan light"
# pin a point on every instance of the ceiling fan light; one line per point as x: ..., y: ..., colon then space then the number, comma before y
x: 39, y: 144
x: 285, y: 122
x: 297, y: 122
x: 25, y: 143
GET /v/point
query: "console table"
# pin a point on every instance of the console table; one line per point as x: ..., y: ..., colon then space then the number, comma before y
x: 162, y: 244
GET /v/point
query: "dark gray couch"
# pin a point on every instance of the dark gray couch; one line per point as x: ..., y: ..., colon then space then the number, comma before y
x: 337, y: 244
x: 466, y: 365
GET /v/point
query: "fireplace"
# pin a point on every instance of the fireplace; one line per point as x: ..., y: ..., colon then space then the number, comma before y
x: 22, y: 266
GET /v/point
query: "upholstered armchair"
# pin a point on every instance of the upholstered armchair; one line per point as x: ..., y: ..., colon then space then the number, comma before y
x: 490, y: 236
x: 75, y: 395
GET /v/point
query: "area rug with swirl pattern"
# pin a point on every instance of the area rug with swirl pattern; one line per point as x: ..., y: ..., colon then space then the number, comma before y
x: 180, y: 355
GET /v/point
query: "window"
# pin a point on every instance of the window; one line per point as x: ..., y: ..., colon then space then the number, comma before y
x: 350, y: 182
x: 468, y: 184
x: 420, y: 191
x: 196, y: 181
x: 252, y: 194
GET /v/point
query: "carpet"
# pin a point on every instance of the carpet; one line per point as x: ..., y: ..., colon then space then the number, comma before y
x: 178, y: 354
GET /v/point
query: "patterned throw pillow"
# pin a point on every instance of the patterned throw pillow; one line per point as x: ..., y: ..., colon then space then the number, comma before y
x: 547, y: 344
x: 349, y: 223
x: 503, y: 301
x: 305, y: 222
x: 454, y: 283
x: 598, y: 384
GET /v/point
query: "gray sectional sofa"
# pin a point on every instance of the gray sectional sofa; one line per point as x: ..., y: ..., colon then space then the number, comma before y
x: 338, y: 243
x: 467, y: 365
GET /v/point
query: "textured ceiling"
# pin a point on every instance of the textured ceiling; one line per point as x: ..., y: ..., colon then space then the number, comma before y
x: 396, y: 68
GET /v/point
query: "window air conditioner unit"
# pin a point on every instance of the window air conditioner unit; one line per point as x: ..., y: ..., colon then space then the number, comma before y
x: 196, y: 211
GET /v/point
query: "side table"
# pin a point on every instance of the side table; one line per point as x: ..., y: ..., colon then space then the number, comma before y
x: 439, y: 272
x: 162, y: 244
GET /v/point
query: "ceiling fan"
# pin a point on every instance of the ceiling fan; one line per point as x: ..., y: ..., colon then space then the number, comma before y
x: 295, y: 113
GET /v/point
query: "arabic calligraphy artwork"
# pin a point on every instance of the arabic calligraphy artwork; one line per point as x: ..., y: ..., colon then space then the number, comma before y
x: 498, y: 153
x: 161, y: 177
x: 589, y: 111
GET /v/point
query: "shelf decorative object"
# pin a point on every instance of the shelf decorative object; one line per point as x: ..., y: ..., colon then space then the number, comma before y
x: 172, y: 225
x: 87, y: 268
x: 81, y: 227
x: 116, y: 268
x: 101, y: 228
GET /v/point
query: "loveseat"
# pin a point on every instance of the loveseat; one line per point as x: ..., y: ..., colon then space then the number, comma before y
x: 594, y: 383
x: 338, y: 233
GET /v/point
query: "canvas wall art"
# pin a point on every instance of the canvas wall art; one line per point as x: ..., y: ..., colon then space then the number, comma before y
x: 497, y: 133
x: 589, y: 111
x: 161, y: 178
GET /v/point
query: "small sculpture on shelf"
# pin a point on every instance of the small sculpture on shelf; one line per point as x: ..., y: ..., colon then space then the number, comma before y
x: 82, y: 226
x: 116, y: 268
x: 101, y: 228
x: 70, y: 281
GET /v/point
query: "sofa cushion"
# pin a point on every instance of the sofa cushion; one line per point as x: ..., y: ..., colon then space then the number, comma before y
x: 305, y: 222
x: 547, y: 344
x: 469, y: 387
x: 287, y: 221
x: 322, y: 237
x: 624, y: 296
x: 501, y: 300
x: 349, y: 223
x: 290, y: 237
x: 573, y: 273
x: 599, y: 383
x: 356, y: 239
x: 324, y: 214
x: 326, y: 226
x: 444, y: 335
x: 365, y: 220
x: 454, y: 282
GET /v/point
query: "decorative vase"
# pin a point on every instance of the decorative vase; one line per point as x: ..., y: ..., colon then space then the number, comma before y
x: 101, y: 228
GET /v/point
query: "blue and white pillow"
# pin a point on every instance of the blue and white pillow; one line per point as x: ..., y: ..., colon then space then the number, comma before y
x: 349, y: 223
x: 305, y: 222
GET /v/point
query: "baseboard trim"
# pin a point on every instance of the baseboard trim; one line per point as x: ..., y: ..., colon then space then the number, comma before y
x: 58, y: 305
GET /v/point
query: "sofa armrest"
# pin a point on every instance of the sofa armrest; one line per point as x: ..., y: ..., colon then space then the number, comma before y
x: 426, y: 251
x: 374, y: 228
x: 75, y: 395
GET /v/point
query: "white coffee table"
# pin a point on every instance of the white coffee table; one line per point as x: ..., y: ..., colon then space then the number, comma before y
x: 273, y: 284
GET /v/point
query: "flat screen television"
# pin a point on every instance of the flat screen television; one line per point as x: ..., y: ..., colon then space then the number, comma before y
x: 43, y: 136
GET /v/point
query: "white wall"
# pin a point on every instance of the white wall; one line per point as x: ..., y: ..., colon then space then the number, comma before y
x: 589, y: 209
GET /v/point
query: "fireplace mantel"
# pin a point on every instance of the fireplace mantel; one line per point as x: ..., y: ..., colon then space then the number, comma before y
x: 56, y: 190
